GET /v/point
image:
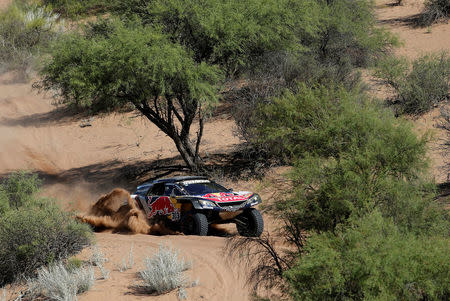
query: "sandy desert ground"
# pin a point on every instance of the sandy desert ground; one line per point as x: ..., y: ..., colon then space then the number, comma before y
x: 80, y: 163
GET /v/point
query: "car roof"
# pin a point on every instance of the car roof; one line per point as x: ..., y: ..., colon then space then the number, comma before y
x: 172, y: 180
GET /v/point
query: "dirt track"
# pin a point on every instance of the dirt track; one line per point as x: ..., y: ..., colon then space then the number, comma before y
x: 79, y: 164
x: 217, y: 279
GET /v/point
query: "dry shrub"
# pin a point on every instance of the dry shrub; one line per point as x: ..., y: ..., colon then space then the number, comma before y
x: 419, y: 85
x: 25, y: 30
x: 435, y: 10
x: 164, y: 272
x: 127, y: 263
x: 58, y: 283
x: 263, y: 258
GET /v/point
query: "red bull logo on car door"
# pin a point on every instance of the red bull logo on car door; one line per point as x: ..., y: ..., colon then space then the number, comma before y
x: 162, y: 206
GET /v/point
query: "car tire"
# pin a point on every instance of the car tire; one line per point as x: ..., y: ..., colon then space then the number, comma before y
x: 250, y: 223
x: 195, y: 224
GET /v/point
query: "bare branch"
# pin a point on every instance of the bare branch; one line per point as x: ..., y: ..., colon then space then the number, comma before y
x: 199, y: 133
x: 265, y: 262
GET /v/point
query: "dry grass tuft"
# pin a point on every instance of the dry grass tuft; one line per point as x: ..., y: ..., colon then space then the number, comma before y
x: 57, y: 283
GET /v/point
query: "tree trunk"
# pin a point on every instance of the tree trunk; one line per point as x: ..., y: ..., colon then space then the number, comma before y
x: 188, y: 150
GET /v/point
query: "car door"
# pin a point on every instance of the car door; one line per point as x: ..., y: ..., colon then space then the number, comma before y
x: 158, y: 202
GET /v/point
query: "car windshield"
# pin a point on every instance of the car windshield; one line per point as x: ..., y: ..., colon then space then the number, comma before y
x: 203, y: 188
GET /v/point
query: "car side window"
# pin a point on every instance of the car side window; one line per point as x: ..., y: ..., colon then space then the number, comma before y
x: 168, y: 189
x: 177, y: 191
x: 149, y: 189
x: 157, y: 189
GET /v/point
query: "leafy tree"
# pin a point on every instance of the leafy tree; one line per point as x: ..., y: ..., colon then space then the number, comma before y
x: 170, y: 62
x: 232, y: 34
x: 113, y: 65
x: 346, y: 37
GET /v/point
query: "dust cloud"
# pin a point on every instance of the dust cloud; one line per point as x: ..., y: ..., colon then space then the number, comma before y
x: 119, y: 212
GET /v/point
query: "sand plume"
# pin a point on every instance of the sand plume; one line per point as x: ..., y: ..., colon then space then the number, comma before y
x: 118, y: 211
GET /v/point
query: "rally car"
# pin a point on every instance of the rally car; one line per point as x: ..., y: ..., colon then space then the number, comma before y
x: 194, y: 203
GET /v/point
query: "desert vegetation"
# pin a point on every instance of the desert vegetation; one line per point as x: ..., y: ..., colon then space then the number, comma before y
x: 445, y: 124
x: 361, y: 219
x: 419, y: 85
x: 163, y: 272
x: 359, y: 178
x: 434, y: 11
x: 57, y: 282
x: 192, y: 55
x: 75, y: 9
x: 34, y: 231
x: 26, y: 29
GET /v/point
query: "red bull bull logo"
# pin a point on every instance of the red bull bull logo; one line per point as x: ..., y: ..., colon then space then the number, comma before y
x: 161, y: 206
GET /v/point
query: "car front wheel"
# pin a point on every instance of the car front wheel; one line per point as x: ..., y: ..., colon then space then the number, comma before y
x: 250, y: 223
x: 195, y: 224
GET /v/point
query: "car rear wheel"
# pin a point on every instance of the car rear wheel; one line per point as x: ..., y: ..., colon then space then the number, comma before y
x: 250, y: 223
x: 195, y: 224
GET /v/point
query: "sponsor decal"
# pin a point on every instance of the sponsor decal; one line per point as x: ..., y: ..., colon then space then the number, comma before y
x: 195, y: 182
x: 162, y: 206
x: 226, y: 197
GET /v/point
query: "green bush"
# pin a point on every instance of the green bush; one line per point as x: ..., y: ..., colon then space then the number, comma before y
x: 4, y: 202
x: 443, y: 124
x: 19, y: 189
x: 350, y: 156
x: 372, y: 260
x: 345, y: 37
x: 434, y: 11
x: 331, y: 122
x: 420, y: 85
x: 360, y: 192
x: 33, y: 231
x: 76, y: 8
x: 25, y: 29
x: 33, y: 237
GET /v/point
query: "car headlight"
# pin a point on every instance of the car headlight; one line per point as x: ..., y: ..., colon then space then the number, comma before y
x: 254, y: 200
x: 207, y: 204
